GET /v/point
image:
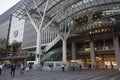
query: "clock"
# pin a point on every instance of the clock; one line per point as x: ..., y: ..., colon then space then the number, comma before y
x: 15, y: 33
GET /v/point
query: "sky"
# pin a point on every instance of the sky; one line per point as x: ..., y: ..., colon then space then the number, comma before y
x: 6, y: 4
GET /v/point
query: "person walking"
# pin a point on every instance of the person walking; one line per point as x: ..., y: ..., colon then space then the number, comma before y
x: 80, y: 67
x: 12, y: 72
x: 1, y: 67
x: 30, y: 66
x: 27, y: 68
x: 21, y: 69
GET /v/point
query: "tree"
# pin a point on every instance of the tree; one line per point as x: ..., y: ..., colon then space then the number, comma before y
x: 2, y: 53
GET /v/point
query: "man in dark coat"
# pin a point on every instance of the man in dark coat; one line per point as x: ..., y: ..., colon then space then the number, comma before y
x: 13, y: 67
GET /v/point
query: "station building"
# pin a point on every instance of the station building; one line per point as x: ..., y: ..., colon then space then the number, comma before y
x: 86, y: 31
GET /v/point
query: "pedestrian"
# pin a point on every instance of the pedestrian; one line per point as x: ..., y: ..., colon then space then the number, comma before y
x: 1, y: 67
x: 30, y: 66
x: 63, y: 67
x: 112, y: 66
x: 105, y: 66
x: 80, y: 67
x: 27, y: 68
x: 73, y: 68
x: 21, y: 69
x: 94, y: 67
x: 12, y: 72
x: 50, y: 66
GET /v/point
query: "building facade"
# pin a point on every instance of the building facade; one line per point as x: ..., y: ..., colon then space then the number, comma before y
x: 64, y: 30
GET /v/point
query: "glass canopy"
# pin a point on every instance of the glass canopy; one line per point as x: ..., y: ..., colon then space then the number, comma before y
x: 69, y: 10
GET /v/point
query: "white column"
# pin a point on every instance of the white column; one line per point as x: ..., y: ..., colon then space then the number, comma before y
x: 38, y: 48
x: 92, y: 54
x: 73, y: 51
x: 117, y: 50
x: 64, y: 50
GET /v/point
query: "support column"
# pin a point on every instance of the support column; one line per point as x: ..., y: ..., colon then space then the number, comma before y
x: 92, y: 55
x: 117, y: 50
x: 38, y: 48
x: 73, y: 51
x: 64, y: 50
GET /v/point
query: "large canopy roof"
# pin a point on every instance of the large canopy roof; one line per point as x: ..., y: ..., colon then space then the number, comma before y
x: 70, y: 10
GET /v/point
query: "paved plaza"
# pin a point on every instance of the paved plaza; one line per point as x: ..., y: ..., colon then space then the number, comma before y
x: 66, y: 75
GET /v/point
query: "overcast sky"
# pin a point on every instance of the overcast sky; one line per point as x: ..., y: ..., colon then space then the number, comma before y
x: 6, y: 4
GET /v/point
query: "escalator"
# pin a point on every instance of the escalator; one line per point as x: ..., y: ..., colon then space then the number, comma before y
x: 53, y: 55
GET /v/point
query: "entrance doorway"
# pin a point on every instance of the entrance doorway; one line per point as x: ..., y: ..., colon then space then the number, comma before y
x: 106, y: 61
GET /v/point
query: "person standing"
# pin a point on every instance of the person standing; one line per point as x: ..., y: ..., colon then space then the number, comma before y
x: 80, y: 67
x: 63, y: 67
x: 1, y: 67
x: 106, y: 67
x: 13, y: 67
x: 51, y: 67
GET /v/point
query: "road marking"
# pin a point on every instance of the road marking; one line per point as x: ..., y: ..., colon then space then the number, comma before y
x: 115, y: 77
x: 102, y: 76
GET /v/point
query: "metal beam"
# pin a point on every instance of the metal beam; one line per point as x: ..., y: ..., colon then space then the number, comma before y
x: 33, y: 23
x: 43, y: 15
x: 37, y: 8
x: 97, y: 8
x: 49, y: 23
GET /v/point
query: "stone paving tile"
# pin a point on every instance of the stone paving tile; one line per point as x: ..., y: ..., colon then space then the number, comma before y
x: 67, y: 75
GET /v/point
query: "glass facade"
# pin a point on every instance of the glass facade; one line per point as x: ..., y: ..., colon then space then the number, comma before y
x: 16, y: 30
